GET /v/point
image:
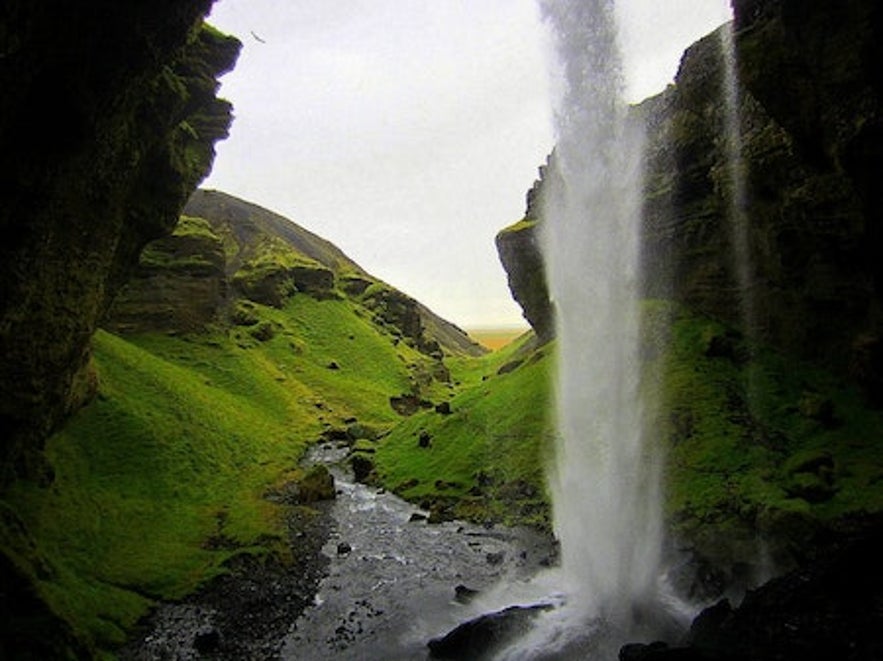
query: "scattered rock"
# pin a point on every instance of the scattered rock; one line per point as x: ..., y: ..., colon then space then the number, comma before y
x: 417, y: 516
x: 362, y: 467
x: 425, y: 439
x: 263, y: 332
x: 316, y: 485
x: 511, y: 366
x: 819, y: 408
x: 344, y: 548
x: 408, y: 404
x: 333, y: 365
x: 658, y: 651
x: 207, y: 642
x: 495, y: 558
x: 444, y: 408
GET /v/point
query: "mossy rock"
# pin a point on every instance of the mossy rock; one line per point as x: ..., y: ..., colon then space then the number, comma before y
x: 316, y: 485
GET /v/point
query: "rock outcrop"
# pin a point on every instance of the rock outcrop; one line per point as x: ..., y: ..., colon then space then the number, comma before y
x: 811, y: 133
x: 107, y: 125
x: 518, y: 247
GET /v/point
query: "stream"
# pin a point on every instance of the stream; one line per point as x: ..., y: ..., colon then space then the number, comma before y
x: 378, y: 583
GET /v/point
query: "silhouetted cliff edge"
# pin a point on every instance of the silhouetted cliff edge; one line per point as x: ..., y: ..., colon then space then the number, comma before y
x: 107, y: 124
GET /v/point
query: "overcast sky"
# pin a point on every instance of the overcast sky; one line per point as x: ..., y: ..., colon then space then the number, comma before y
x: 407, y: 132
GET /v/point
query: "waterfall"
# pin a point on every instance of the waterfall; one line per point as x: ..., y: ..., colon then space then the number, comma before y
x: 605, y: 483
x: 737, y: 185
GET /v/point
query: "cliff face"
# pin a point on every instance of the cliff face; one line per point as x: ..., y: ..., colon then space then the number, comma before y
x: 809, y: 129
x: 812, y: 156
x: 227, y: 253
x: 107, y: 125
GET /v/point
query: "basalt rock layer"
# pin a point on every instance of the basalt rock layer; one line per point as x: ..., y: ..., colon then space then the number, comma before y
x: 107, y: 126
x: 810, y: 126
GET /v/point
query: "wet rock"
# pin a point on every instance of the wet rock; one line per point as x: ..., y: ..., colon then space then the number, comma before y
x: 827, y: 609
x: 362, y: 467
x: 478, y: 637
x: 495, y: 558
x: 658, y: 651
x: 207, y: 642
x: 344, y: 548
x: 417, y: 516
x: 316, y: 485
x: 464, y: 594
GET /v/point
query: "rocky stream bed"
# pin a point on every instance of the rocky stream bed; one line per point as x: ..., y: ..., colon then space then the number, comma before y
x: 372, y: 579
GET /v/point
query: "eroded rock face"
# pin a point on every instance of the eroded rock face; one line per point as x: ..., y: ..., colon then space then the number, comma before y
x: 810, y: 134
x: 811, y: 129
x: 179, y: 284
x: 107, y: 126
x: 520, y: 253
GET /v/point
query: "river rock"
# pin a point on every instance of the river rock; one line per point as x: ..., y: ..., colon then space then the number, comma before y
x: 316, y: 485
x: 477, y: 637
x: 362, y: 467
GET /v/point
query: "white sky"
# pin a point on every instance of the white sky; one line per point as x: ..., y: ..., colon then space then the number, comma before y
x: 407, y: 132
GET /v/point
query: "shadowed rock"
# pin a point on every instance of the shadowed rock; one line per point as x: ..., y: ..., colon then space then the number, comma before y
x: 478, y: 637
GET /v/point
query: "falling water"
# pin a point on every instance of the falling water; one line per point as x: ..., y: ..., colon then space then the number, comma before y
x: 737, y: 217
x: 605, y: 485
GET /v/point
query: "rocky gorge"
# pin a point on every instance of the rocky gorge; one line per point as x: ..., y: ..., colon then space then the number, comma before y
x: 272, y: 338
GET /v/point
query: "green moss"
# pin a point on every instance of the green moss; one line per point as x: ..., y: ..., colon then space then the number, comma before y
x: 484, y: 460
x: 521, y: 225
x: 742, y: 441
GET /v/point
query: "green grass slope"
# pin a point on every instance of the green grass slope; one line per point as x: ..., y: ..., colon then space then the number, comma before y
x: 161, y: 480
x: 484, y: 460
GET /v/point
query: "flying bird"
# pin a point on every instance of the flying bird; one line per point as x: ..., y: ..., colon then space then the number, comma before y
x: 257, y: 38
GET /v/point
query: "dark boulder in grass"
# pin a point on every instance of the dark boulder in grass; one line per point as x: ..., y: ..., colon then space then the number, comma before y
x: 316, y: 485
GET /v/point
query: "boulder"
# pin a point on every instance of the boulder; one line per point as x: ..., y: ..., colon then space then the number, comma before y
x: 480, y: 636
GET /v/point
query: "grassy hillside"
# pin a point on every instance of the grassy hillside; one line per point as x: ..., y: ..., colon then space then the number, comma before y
x: 202, y: 413
x: 162, y: 479
x: 240, y: 340
x: 483, y: 460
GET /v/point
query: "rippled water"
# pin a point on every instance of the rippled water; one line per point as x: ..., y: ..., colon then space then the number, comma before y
x: 389, y: 586
x: 395, y: 588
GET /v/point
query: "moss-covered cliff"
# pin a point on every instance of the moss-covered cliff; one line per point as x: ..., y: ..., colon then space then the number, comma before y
x: 810, y: 113
x: 772, y: 366
x: 107, y: 124
x: 809, y: 129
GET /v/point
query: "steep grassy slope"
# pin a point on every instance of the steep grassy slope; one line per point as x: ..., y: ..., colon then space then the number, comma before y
x: 229, y: 352
x: 483, y: 458
x: 163, y: 478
